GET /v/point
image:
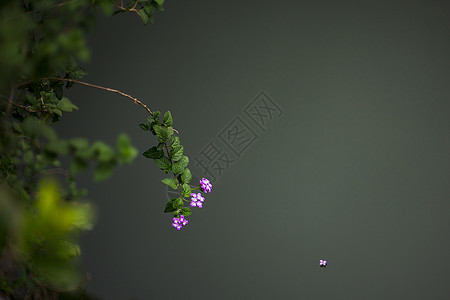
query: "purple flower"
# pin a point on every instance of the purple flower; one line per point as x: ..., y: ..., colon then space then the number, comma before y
x: 179, y: 222
x: 197, y: 200
x: 323, y: 263
x: 205, y: 185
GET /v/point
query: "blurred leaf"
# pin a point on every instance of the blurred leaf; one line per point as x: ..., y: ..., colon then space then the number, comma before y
x: 103, y: 171
x: 127, y: 152
x: 104, y: 152
x: 143, y: 16
x: 57, y: 147
x: 77, y: 165
x: 58, y: 92
x: 66, y: 105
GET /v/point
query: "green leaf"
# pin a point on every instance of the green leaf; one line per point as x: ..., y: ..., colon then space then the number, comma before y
x: 163, y: 163
x: 31, y: 125
x: 79, y: 143
x: 160, y: 146
x: 168, y: 119
x: 103, y: 171
x: 178, y: 167
x: 162, y: 133
x: 156, y: 115
x: 66, y: 105
x: 58, y: 92
x: 57, y: 147
x: 143, y: 16
x: 77, y: 165
x: 185, y: 211
x: 160, y: 2
x: 186, y: 190
x: 104, y: 152
x: 28, y: 157
x: 144, y: 126
x: 158, y: 5
x: 153, y: 153
x: 174, y: 141
x: 169, y: 206
x: 178, y: 203
x: 126, y: 151
x: 176, y: 153
x: 149, y: 9
x: 172, y: 182
x: 186, y: 176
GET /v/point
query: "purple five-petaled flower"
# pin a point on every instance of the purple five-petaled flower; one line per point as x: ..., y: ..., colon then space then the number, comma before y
x: 205, y: 185
x: 322, y: 263
x: 197, y: 200
x: 179, y: 222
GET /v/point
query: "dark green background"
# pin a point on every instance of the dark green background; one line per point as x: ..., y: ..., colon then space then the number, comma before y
x: 355, y: 171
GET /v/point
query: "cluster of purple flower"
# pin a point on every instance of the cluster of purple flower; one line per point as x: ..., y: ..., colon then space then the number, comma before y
x: 205, y: 185
x: 179, y: 222
x: 196, y: 201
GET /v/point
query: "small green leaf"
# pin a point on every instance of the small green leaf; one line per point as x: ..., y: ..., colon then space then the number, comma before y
x: 143, y: 16
x: 162, y: 133
x: 58, y: 92
x: 178, y: 203
x: 186, y: 190
x: 103, y: 171
x: 155, y: 116
x: 66, y: 105
x: 149, y: 9
x: 57, y: 147
x: 174, y: 141
x: 144, y: 126
x: 185, y: 211
x: 79, y: 143
x: 172, y: 182
x: 178, y: 167
x: 169, y: 206
x: 168, y: 119
x: 77, y: 165
x: 28, y: 157
x: 160, y: 146
x: 126, y: 151
x: 163, y: 163
x: 186, y: 176
x: 176, y: 153
x: 153, y: 153
x: 160, y: 2
x: 104, y: 152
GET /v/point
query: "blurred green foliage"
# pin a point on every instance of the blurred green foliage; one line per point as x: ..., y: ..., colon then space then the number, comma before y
x: 42, y: 42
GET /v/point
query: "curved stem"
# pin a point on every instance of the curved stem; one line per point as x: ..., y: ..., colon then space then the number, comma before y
x: 136, y: 101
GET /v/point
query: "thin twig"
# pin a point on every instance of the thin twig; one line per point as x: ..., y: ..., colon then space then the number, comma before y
x: 135, y: 4
x: 27, y: 108
x: 136, y: 101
